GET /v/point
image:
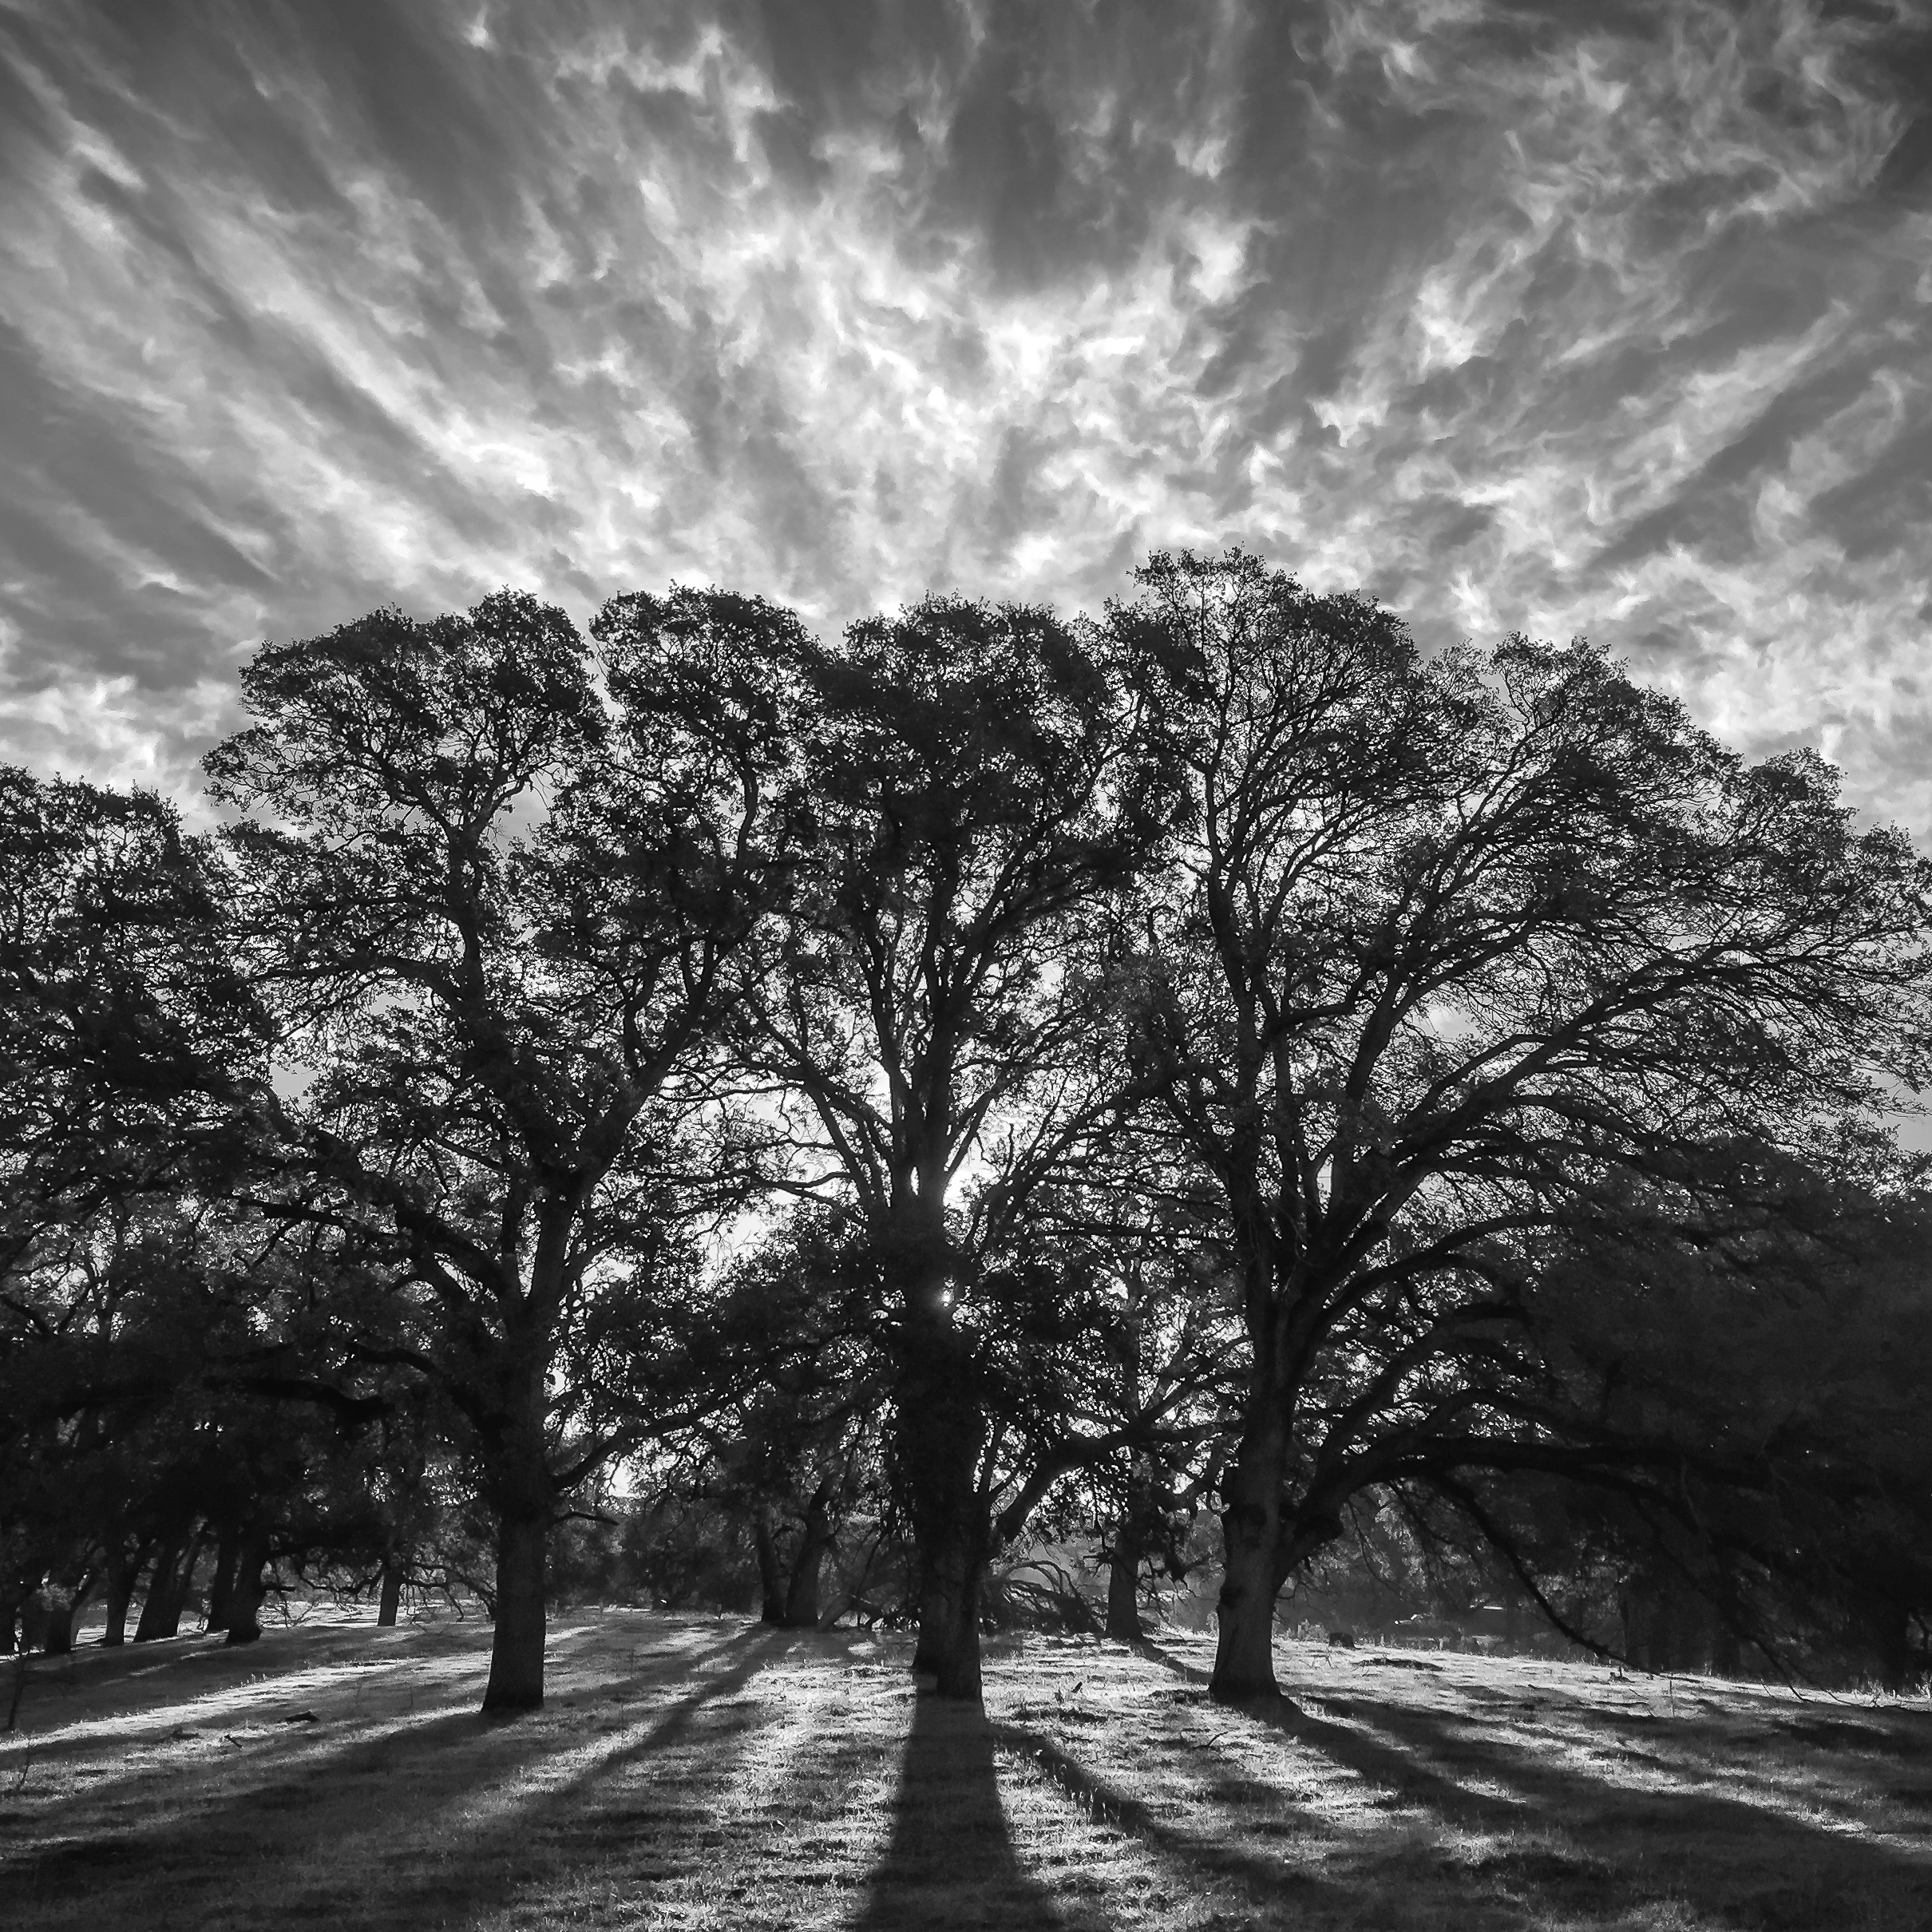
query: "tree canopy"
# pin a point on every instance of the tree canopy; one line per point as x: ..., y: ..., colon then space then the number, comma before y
x: 988, y: 1069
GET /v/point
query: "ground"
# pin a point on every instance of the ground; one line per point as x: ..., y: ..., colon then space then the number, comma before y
x: 710, y: 1775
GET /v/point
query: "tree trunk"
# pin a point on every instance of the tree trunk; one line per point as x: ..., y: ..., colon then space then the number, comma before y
x: 182, y: 1583
x: 391, y: 1600
x: 250, y: 1588
x: 122, y: 1572
x: 58, y: 1639
x: 155, y: 1613
x: 1130, y: 1545
x: 1251, y: 1580
x: 953, y: 1642
x: 227, y: 1555
x: 932, y: 1616
x: 771, y: 1585
x: 801, y: 1592
x: 1727, y: 1651
x: 1661, y: 1656
x: 941, y: 1433
x: 1890, y: 1624
x: 516, y: 1649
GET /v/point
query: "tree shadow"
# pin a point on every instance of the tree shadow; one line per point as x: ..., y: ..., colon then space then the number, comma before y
x: 1147, y: 1647
x: 1722, y: 1855
x: 161, y: 1873
x: 1558, y: 1839
x: 1267, y: 1881
x: 950, y: 1861
x: 246, y: 1706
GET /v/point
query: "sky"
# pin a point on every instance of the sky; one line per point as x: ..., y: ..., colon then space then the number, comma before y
x: 1611, y: 319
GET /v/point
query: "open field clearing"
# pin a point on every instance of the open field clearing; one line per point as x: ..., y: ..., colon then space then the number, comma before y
x: 698, y: 1774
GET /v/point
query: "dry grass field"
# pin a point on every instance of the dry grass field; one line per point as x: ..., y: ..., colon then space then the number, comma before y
x: 712, y: 1777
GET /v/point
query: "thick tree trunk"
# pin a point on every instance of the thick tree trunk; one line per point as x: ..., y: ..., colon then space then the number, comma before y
x: 58, y: 1638
x: 1130, y: 1546
x: 771, y: 1583
x: 517, y: 1649
x: 931, y: 1616
x: 250, y: 1588
x: 160, y: 1610
x: 941, y: 1433
x: 182, y: 1585
x: 1251, y: 1581
x: 808, y: 1565
x: 391, y: 1603
x: 953, y: 1641
x: 122, y: 1573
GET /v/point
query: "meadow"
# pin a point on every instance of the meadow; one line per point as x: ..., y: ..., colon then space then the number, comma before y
x: 704, y: 1775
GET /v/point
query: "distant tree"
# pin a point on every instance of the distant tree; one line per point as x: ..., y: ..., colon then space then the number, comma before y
x: 1785, y: 1355
x: 498, y: 893
x: 130, y: 1047
x: 132, y: 1068
x: 1463, y: 952
x: 796, y: 1448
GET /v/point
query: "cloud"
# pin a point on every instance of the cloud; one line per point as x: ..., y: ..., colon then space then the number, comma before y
x: 1609, y: 320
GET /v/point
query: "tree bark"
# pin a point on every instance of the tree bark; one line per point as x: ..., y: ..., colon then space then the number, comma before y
x: 953, y: 1642
x: 58, y: 1639
x: 941, y: 1435
x: 771, y: 1586
x: 516, y: 1648
x: 1251, y: 1534
x: 250, y: 1588
x: 123, y: 1571
x: 155, y: 1610
x: 801, y: 1592
x: 1130, y: 1546
x: 391, y: 1600
x: 182, y: 1582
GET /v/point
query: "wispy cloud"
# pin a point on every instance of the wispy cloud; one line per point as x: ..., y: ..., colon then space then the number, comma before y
x: 1608, y: 320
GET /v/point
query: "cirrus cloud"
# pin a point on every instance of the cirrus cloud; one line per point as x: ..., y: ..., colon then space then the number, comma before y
x: 1610, y: 320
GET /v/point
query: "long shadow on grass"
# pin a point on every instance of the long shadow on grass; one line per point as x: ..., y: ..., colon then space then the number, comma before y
x: 448, y: 1761
x: 950, y: 1861
x: 1722, y: 1842
x: 1267, y: 1881
x: 242, y: 1708
x: 1720, y: 1854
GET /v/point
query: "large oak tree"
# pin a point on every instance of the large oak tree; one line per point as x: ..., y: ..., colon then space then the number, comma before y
x: 499, y: 889
x: 982, y: 778
x: 1463, y: 953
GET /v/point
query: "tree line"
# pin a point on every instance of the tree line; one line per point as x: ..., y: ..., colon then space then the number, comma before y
x: 1020, y: 1069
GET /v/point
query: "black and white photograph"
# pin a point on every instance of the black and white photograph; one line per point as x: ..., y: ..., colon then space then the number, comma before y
x: 966, y: 965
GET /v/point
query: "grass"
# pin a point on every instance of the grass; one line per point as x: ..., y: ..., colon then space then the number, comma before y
x: 703, y: 1776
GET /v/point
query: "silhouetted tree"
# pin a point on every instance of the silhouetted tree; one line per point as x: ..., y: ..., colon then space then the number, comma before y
x: 1457, y: 947
x: 498, y: 892
x: 981, y: 779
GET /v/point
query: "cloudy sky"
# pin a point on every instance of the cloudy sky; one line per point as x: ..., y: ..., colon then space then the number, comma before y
x: 1612, y: 318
